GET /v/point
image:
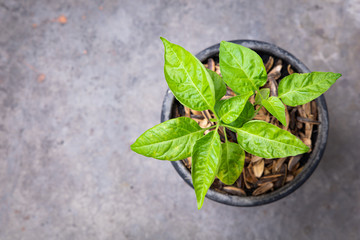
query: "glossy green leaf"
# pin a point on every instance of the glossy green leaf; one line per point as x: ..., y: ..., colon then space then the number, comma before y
x: 264, y: 92
x: 187, y: 78
x: 298, y: 89
x: 219, y: 85
x: 246, y: 115
x: 230, y: 109
x: 268, y: 141
x: 205, y: 163
x: 232, y: 163
x: 242, y: 68
x: 171, y: 140
x: 276, y: 108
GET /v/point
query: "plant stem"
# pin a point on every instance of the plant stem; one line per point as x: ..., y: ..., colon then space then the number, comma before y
x: 257, y: 110
x: 258, y: 92
x: 228, y: 126
x: 225, y: 134
x: 216, y: 116
x: 209, y: 127
x: 217, y: 126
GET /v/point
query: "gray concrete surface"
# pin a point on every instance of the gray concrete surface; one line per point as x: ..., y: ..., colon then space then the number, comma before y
x: 75, y: 95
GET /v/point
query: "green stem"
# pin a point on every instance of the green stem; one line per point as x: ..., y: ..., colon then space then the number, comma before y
x: 216, y: 116
x: 258, y: 92
x: 257, y: 110
x: 209, y: 127
x: 217, y: 127
x: 225, y: 134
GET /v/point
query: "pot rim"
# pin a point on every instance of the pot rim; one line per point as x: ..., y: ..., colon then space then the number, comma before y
x: 313, y: 158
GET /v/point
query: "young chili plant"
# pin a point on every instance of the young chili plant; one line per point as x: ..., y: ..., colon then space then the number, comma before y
x: 201, y: 89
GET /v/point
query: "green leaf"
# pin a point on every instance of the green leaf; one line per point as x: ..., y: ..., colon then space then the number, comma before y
x: 246, y: 115
x: 205, y: 163
x: 265, y: 140
x: 220, y: 87
x: 264, y: 92
x: 298, y: 89
x: 230, y: 109
x: 242, y: 69
x: 187, y: 78
x: 276, y: 108
x: 232, y: 163
x: 171, y: 140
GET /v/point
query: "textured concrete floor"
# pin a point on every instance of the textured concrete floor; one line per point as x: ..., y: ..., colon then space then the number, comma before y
x: 74, y: 96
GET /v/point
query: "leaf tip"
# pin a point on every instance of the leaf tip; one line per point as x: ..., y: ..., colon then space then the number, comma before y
x: 133, y: 147
x: 200, y: 204
x: 306, y: 148
x: 164, y: 40
x: 222, y: 43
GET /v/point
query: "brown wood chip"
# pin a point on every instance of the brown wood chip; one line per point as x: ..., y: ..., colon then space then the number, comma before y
x: 267, y: 172
x: 240, y: 182
x: 272, y: 176
x: 293, y: 161
x: 247, y: 184
x: 204, y: 123
x: 278, y: 164
x: 226, y: 97
x: 252, y: 99
x: 269, y: 64
x: 298, y: 171
x: 217, y: 69
x: 287, y: 115
x: 230, y: 92
x: 289, y: 178
x: 314, y: 109
x: 196, y: 112
x: 273, y: 87
x: 293, y: 118
x: 269, y: 178
x: 187, y: 162
x: 290, y: 70
x: 301, y: 111
x: 234, y: 190
x: 263, y: 189
x: 307, y: 120
x: 255, y: 159
x: 211, y: 64
x: 307, y: 109
x: 258, y: 168
x: 263, y: 117
x: 273, y: 75
x: 250, y: 177
x: 207, y: 116
x: 281, y: 180
x: 306, y: 140
x: 187, y: 111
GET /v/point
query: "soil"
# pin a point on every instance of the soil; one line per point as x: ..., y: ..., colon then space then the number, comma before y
x: 261, y: 176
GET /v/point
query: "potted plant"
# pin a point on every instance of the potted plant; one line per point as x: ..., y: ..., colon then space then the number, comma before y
x: 209, y: 124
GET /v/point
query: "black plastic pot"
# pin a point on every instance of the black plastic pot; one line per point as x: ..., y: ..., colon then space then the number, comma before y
x: 311, y: 160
